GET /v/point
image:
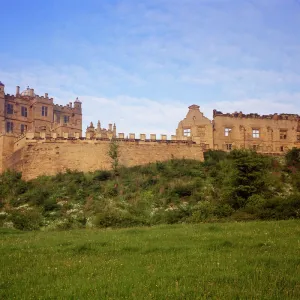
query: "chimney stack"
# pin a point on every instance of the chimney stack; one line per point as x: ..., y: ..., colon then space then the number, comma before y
x: 46, y: 95
x: 31, y: 92
x: 17, y: 91
x: 70, y: 104
x: 110, y: 127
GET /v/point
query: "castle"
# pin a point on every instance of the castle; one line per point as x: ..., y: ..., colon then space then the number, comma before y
x: 39, y: 137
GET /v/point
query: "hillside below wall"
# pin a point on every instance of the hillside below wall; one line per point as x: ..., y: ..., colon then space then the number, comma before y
x: 48, y: 158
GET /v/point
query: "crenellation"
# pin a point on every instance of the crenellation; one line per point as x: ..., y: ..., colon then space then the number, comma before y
x: 256, y: 115
x: 43, y: 129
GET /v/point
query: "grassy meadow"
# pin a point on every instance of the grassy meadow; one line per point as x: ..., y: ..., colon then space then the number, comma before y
x: 245, y: 260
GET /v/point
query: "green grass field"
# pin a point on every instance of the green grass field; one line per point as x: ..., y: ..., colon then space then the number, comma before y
x: 255, y: 260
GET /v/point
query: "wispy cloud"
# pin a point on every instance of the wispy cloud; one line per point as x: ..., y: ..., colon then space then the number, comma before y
x: 142, y: 63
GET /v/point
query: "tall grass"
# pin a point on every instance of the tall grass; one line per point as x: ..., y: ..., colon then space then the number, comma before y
x: 254, y: 260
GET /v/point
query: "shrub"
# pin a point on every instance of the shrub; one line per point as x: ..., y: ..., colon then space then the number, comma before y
x: 101, y: 175
x: 50, y: 204
x: 203, y: 211
x: 292, y: 158
x: 114, y: 218
x: 26, y: 220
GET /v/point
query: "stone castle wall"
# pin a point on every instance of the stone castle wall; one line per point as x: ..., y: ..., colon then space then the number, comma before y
x: 48, y: 157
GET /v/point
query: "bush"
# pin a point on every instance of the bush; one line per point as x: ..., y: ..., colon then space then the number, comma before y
x: 114, y: 218
x: 50, y: 204
x: 203, y: 211
x: 102, y: 175
x: 26, y: 220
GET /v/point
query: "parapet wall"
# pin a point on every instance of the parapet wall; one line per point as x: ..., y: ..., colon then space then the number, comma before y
x: 35, y: 157
x: 291, y: 117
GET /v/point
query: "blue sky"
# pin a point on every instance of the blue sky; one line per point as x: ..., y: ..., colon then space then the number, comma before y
x: 141, y: 63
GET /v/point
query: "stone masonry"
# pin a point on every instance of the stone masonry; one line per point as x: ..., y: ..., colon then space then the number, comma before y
x: 38, y: 137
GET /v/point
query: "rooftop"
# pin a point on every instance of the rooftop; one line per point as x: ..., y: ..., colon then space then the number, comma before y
x: 26, y: 92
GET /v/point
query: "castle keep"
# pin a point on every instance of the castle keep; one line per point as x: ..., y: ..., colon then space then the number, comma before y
x: 39, y: 137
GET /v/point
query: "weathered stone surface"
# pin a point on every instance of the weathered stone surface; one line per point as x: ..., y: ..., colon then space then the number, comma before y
x: 48, y: 158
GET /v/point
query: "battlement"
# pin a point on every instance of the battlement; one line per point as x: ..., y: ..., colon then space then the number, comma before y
x: 35, y: 98
x: 67, y: 108
x: 9, y: 97
x: 240, y: 114
x: 53, y: 137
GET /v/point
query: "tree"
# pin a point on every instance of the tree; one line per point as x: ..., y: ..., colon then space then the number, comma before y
x: 114, y: 154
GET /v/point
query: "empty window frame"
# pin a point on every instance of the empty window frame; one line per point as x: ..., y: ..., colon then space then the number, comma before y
x: 187, y: 132
x: 227, y: 131
x: 298, y: 137
x: 24, y: 111
x: 255, y: 133
x: 229, y: 147
x: 23, y: 128
x: 10, y: 109
x: 44, y: 111
x: 283, y: 134
x: 9, y: 127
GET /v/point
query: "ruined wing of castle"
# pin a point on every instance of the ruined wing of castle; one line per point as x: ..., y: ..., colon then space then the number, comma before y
x: 38, y: 137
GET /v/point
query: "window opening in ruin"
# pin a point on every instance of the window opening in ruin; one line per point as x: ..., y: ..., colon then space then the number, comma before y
x: 24, y: 111
x: 298, y: 137
x: 255, y: 133
x: 44, y: 111
x: 281, y: 148
x: 10, y: 109
x: 23, y: 128
x: 9, y: 127
x: 227, y: 131
x: 66, y: 119
x: 187, y: 132
x: 283, y: 134
x: 229, y: 147
x: 255, y: 147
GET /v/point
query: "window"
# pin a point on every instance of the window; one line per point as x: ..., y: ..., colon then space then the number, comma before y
x: 10, y: 109
x: 229, y: 147
x: 255, y: 147
x: 227, y: 131
x: 255, y: 133
x: 66, y: 119
x: 24, y: 111
x: 298, y: 137
x: 187, y: 132
x: 281, y: 148
x: 44, y: 111
x: 23, y: 128
x: 283, y: 134
x: 9, y: 127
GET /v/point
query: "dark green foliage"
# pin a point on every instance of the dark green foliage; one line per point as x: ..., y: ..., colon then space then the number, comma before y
x: 101, y: 175
x: 293, y: 158
x: 212, y: 157
x: 241, y: 185
x: 114, y: 154
x: 26, y: 220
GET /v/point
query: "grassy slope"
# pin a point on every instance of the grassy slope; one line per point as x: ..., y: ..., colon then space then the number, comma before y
x: 257, y: 260
x: 240, y: 186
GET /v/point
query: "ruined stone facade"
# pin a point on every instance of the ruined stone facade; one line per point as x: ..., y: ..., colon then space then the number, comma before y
x: 270, y: 134
x: 38, y: 137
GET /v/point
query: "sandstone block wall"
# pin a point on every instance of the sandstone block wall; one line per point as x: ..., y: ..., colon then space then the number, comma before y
x: 50, y: 157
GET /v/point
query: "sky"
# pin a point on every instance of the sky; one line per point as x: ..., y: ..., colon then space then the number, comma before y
x: 141, y: 63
